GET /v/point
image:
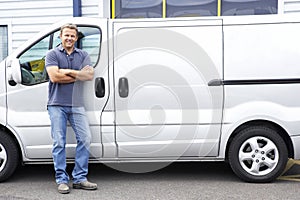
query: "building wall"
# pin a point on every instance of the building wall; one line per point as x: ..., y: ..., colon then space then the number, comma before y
x: 291, y: 6
x: 25, y: 18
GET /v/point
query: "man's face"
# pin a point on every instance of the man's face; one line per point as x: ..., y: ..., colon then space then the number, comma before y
x: 68, y: 38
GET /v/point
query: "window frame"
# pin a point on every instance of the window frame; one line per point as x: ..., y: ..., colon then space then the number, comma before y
x: 50, y: 46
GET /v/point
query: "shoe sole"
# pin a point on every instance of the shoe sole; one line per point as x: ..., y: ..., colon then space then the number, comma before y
x: 84, y: 188
x: 64, y: 191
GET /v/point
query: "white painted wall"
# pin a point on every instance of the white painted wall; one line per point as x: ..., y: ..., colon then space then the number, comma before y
x: 291, y: 6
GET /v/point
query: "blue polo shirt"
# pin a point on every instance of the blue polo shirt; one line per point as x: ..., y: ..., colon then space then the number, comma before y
x: 70, y: 94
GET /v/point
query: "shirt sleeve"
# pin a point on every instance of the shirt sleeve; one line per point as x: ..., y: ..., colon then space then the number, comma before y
x: 51, y: 59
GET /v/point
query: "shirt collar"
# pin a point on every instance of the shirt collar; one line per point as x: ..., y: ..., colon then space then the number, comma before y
x: 61, y: 48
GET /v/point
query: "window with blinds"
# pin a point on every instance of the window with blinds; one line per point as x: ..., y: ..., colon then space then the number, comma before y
x: 3, y: 42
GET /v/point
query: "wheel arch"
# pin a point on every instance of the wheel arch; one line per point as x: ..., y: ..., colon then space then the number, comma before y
x: 15, y: 139
x: 279, y: 129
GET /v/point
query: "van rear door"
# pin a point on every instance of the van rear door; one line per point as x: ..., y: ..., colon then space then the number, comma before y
x: 164, y: 107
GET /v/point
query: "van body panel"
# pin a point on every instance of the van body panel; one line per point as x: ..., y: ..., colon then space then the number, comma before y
x: 3, y: 94
x: 296, y: 140
x: 170, y: 110
x: 262, y: 50
x: 272, y: 103
x: 261, y: 62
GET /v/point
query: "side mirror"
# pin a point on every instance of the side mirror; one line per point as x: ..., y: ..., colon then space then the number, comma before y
x: 14, y: 71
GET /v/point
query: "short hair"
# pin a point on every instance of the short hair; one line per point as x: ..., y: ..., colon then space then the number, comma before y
x: 70, y: 26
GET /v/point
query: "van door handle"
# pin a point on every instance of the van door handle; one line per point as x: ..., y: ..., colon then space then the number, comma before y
x: 99, y: 87
x: 123, y: 87
x: 216, y: 82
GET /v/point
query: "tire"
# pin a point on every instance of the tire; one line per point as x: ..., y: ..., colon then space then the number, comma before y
x: 9, y: 156
x: 258, y: 154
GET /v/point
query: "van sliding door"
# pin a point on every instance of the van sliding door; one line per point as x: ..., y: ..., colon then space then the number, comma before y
x: 164, y: 106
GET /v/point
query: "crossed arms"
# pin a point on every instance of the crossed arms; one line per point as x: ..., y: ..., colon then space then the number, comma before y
x: 57, y: 75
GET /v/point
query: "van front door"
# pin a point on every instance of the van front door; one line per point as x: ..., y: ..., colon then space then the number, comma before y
x: 164, y: 106
x: 27, y: 100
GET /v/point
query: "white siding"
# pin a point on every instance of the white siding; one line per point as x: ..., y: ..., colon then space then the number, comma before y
x: 27, y: 17
x: 92, y: 8
x: 291, y: 6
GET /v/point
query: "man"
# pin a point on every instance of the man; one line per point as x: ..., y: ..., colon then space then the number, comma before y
x: 68, y: 67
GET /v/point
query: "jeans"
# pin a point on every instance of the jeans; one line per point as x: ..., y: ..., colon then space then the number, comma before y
x: 59, y: 116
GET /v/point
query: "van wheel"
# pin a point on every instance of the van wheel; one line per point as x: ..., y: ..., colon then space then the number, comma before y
x: 258, y: 154
x: 9, y: 156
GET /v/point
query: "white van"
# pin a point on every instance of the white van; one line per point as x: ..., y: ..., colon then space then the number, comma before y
x: 164, y: 90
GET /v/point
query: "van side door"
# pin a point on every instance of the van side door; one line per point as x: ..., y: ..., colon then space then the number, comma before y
x: 164, y: 106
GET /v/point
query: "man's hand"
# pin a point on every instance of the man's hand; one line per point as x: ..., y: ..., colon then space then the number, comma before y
x: 85, y: 74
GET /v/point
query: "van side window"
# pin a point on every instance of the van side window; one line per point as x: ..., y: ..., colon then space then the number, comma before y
x: 249, y: 7
x: 89, y: 40
x: 56, y: 40
x: 191, y: 8
x: 32, y: 61
x: 138, y: 8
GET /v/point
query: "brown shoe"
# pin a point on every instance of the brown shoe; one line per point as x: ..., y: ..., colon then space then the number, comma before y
x: 86, y: 185
x: 63, y: 188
